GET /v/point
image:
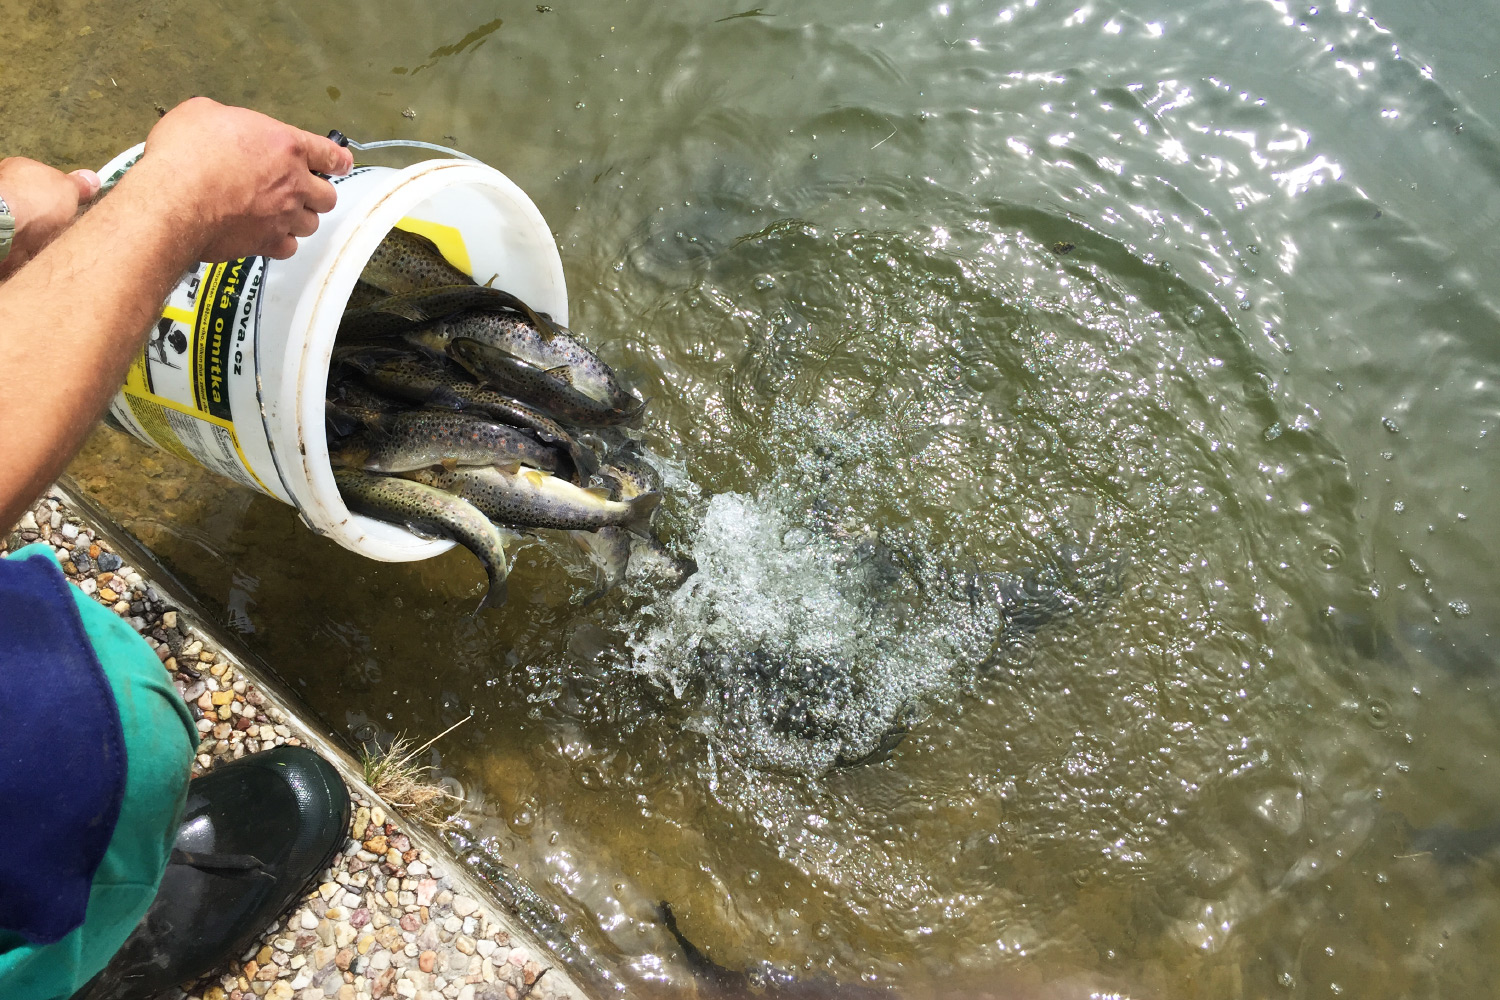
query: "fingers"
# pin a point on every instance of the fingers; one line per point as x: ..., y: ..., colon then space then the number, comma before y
x: 304, y: 223
x: 318, y: 194
x: 88, y: 185
x: 324, y: 156
x: 282, y: 248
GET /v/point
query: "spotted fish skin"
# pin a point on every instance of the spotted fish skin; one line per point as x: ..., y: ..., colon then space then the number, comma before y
x: 510, y: 374
x: 431, y: 513
x: 550, y: 347
x: 405, y: 262
x: 532, y: 499
x: 402, y: 442
x: 416, y: 379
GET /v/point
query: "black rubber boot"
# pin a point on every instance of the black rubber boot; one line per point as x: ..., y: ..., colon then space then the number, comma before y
x: 255, y: 833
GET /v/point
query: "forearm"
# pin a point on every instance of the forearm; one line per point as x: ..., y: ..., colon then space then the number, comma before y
x: 70, y: 321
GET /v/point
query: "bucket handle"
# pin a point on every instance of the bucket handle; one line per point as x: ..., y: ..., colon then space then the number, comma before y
x: 348, y: 143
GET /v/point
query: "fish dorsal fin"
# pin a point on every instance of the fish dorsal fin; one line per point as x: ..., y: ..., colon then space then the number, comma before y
x: 509, y: 468
x: 562, y: 373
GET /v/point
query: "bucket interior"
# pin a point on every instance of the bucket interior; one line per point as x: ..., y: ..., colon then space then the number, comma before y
x: 485, y: 226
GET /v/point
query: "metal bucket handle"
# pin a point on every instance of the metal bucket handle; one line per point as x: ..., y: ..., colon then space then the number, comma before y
x: 348, y: 143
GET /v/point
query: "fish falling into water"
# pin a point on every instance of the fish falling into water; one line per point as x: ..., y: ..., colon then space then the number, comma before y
x: 457, y: 411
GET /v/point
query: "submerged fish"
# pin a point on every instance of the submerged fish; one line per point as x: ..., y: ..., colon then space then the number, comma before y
x: 726, y: 984
x: 416, y: 379
x: 430, y: 513
x: 415, y: 439
x: 533, y: 499
x: 542, y: 389
x: 550, y: 347
x: 405, y: 262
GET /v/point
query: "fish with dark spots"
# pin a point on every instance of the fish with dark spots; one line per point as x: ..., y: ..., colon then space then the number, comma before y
x: 542, y: 389
x: 431, y: 513
x: 415, y: 439
x: 550, y: 347
x: 416, y: 379
x: 406, y: 262
x: 531, y: 498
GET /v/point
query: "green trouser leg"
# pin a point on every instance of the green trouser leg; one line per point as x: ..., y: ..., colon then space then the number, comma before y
x: 160, y: 739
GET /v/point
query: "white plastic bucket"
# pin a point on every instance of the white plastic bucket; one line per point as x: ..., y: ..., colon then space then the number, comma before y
x: 234, y: 374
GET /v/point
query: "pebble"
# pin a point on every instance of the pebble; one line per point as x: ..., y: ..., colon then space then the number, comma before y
x: 380, y: 924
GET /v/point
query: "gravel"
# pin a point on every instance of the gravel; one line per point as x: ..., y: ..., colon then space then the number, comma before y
x: 385, y: 920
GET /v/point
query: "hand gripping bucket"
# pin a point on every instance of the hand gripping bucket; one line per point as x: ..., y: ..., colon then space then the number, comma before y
x: 233, y: 375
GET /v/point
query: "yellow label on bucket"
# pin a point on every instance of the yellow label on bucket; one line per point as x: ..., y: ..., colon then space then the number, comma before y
x: 448, y: 240
x: 176, y: 386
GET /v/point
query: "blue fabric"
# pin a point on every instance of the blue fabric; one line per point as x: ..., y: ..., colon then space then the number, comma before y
x: 62, y: 754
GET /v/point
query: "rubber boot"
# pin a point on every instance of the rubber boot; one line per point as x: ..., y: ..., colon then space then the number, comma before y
x: 255, y: 833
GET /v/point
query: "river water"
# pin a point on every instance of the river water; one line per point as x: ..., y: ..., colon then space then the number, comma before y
x: 1180, y: 314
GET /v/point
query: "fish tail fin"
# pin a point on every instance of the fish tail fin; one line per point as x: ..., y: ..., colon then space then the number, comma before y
x: 497, y: 594
x: 585, y: 463
x: 638, y: 522
x: 638, y: 415
x: 497, y: 569
x: 340, y: 422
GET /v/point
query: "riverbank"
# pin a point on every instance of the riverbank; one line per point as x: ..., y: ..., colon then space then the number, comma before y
x: 394, y: 916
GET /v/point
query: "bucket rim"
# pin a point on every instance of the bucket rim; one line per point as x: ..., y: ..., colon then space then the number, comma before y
x: 315, y: 323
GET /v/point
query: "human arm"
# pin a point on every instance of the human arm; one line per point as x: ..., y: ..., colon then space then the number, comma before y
x: 43, y: 201
x: 214, y: 183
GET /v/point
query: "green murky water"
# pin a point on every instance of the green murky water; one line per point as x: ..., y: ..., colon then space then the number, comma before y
x: 1243, y: 428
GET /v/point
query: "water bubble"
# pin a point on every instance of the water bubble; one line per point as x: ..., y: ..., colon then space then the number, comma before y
x: 363, y: 733
x: 1274, y: 431
x: 1195, y: 314
x: 1390, y: 425
x: 1330, y: 555
x: 1459, y: 608
x: 1399, y: 506
x: 1244, y: 305
x: 765, y: 282
x: 522, y: 818
x: 1378, y: 714
x: 1253, y: 248
x: 752, y: 877
x: 579, y: 105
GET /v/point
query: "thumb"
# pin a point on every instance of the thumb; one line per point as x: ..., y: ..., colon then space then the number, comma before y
x: 325, y: 156
x: 88, y: 185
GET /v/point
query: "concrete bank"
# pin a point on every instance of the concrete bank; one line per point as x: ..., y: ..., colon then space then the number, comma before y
x: 396, y: 915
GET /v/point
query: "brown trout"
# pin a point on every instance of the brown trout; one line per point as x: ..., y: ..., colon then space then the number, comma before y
x: 417, y: 379
x: 532, y: 499
x: 510, y: 374
x: 430, y: 513
x: 405, y: 262
x: 551, y: 348
x: 401, y: 442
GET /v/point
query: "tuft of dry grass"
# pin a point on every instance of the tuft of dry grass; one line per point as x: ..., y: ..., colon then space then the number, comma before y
x: 397, y: 778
